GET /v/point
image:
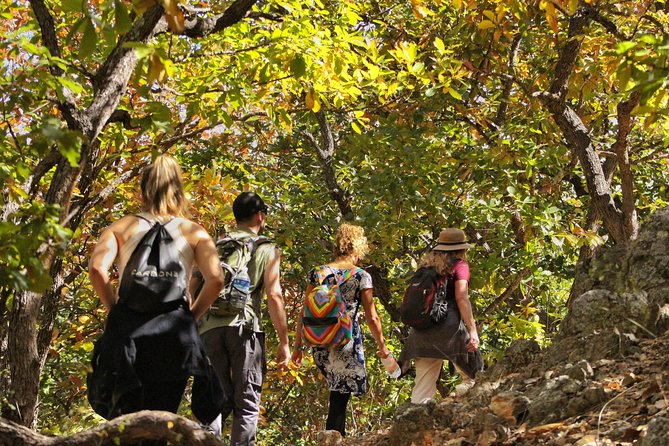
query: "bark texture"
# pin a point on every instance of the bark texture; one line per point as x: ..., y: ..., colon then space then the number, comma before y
x: 128, y: 429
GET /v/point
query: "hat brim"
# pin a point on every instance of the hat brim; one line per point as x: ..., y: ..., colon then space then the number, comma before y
x: 457, y: 247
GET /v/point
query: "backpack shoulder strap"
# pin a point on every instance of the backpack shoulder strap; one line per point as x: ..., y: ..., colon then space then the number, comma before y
x: 154, y: 222
x: 320, y: 274
x: 141, y: 217
x: 347, y: 275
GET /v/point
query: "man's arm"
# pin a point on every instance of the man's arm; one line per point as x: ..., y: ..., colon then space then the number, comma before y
x: 276, y: 307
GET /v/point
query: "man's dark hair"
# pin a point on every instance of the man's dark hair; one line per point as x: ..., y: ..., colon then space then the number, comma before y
x: 246, y: 205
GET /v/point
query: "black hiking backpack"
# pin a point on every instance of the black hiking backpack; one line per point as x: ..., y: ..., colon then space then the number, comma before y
x: 154, y: 279
x: 424, y: 304
x: 235, y: 255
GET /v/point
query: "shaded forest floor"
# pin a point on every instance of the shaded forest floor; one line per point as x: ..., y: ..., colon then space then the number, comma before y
x: 604, y: 402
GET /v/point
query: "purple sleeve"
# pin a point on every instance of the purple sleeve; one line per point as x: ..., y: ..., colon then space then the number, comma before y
x: 461, y: 271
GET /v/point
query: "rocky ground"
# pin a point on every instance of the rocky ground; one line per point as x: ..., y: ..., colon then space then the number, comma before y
x: 623, y: 401
x: 603, y: 382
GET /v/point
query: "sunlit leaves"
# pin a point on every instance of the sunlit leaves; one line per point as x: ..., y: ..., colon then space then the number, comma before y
x: 551, y: 14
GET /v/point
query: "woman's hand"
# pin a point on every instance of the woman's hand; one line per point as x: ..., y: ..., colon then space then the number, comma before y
x: 474, y: 341
x: 297, y: 355
x: 383, y: 352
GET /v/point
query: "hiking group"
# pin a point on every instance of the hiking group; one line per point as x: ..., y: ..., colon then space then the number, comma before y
x: 187, y: 306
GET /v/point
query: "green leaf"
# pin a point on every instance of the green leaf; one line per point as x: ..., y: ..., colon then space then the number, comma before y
x: 298, y: 67
x: 72, y: 5
x: 88, y: 41
x: 71, y: 85
x: 141, y: 49
x: 624, y: 47
x: 123, y: 21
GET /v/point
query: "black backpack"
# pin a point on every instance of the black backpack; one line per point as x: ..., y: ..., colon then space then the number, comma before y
x: 154, y: 279
x: 235, y: 255
x: 424, y: 304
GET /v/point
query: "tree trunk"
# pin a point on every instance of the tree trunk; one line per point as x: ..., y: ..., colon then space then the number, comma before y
x: 577, y: 135
x: 24, y: 363
x: 26, y: 348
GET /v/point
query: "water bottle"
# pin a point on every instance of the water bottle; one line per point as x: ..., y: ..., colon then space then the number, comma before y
x: 392, y: 367
x: 241, y: 284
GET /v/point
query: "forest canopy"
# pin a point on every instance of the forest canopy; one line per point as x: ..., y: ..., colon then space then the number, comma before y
x: 538, y: 127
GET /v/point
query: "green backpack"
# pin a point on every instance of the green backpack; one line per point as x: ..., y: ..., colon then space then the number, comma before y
x: 235, y: 255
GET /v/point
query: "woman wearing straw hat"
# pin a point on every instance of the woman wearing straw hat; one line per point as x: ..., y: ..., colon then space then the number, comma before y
x: 456, y: 338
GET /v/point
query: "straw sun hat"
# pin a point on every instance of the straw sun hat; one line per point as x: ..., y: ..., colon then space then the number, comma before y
x: 451, y: 239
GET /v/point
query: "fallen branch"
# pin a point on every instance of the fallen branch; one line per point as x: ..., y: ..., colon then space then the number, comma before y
x: 128, y: 429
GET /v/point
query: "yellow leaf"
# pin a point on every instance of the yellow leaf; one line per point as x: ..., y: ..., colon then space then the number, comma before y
x: 317, y: 105
x: 352, y: 17
x: 170, y: 424
x: 84, y: 319
x: 485, y: 24
x: 156, y: 70
x: 454, y: 93
x: 171, y: 6
x: 373, y: 72
x: 577, y: 230
x: 309, y: 99
x: 419, y: 10
x: 489, y: 14
x: 457, y: 4
x: 176, y: 22
x: 439, y: 44
x: 551, y: 16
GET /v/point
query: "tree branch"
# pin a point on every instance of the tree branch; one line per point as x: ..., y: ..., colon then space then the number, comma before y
x: 382, y: 291
x: 607, y: 24
x: 620, y: 147
x: 578, y: 138
x: 199, y: 27
x: 111, y: 80
x: 569, y: 53
x: 509, y: 290
x: 122, y: 116
x: 325, y: 153
x: 45, y: 164
x: 50, y: 39
x: 508, y: 82
x: 127, y: 429
x: 577, y: 135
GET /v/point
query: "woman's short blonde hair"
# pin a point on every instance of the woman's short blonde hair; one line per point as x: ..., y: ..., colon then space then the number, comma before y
x: 162, y: 187
x: 350, y: 241
x: 442, y: 261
